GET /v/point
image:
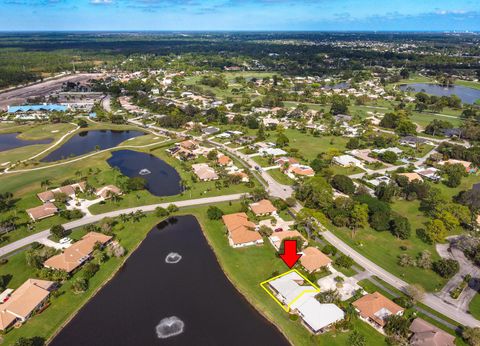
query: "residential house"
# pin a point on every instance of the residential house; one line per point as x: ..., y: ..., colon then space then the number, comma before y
x: 272, y: 151
x: 78, y: 253
x: 469, y: 167
x: 188, y: 144
x: 241, y: 231
x: 347, y: 161
x: 283, y: 161
x: 204, y: 172
x: 429, y: 173
x: 30, y: 297
x: 314, y: 260
x: 224, y: 160
x: 392, y: 149
x: 277, y: 238
x: 46, y: 210
x: 413, y: 141
x: 375, y: 309
x: 68, y: 190
x: 342, y: 117
x: 108, y: 191
x: 411, y: 176
x: 209, y: 131
x: 263, y: 207
x: 300, y: 170
x: 299, y: 296
x: 425, y: 334
x: 363, y: 154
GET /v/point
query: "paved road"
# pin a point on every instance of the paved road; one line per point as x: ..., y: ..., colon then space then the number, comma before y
x: 95, y: 218
x: 430, y: 299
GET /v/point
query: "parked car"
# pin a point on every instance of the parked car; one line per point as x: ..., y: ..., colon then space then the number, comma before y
x: 65, y: 240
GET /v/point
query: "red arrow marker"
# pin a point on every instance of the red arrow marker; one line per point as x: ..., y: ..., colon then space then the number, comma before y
x: 289, y: 255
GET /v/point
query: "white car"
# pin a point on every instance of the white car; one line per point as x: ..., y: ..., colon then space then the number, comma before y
x: 65, y: 240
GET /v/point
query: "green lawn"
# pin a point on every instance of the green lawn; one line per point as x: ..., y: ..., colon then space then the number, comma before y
x: 310, y: 146
x: 280, y: 177
x: 474, y: 306
x: 246, y: 268
x: 384, y: 249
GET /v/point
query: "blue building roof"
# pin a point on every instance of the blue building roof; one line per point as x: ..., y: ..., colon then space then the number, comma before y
x: 30, y: 108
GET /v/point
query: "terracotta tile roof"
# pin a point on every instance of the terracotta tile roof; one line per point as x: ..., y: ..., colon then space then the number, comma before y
x: 104, y: 191
x: 46, y: 196
x: 43, y: 211
x: 69, y: 190
x: 24, y: 301
x: 425, y: 334
x: 75, y: 255
x: 188, y: 144
x: 278, y: 237
x: 224, y: 160
x: 313, y: 259
x: 303, y: 170
x: 240, y: 228
x: 263, y: 207
x: 376, y: 307
x: 411, y: 176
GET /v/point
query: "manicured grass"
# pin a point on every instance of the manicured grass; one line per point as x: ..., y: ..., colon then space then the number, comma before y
x: 262, y: 161
x: 474, y: 306
x: 246, y: 268
x: 67, y: 303
x: 345, y: 170
x: 32, y: 132
x: 383, y: 248
x: 280, y: 177
x: 310, y: 146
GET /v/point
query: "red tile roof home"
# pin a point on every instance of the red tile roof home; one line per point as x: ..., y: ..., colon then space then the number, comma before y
x: 224, y: 160
x: 69, y: 190
x: 107, y: 191
x: 377, y: 308
x: 282, y: 161
x: 188, y: 144
x: 24, y: 301
x: 42, y: 212
x: 46, y: 196
x: 302, y: 170
x: 411, y: 176
x: 425, y: 334
x: 313, y: 259
x: 75, y: 255
x: 263, y: 207
x: 277, y: 238
x: 241, y: 230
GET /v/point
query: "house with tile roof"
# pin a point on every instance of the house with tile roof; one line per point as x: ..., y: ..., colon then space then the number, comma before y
x: 426, y: 334
x: 41, y: 212
x: 314, y: 260
x: 78, y: 253
x: 241, y: 231
x: 30, y: 297
x: 375, y: 309
x: 263, y: 207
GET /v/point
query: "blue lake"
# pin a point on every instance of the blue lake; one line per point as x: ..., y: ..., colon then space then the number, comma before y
x: 466, y: 94
x: 88, y: 141
x: 162, y: 179
x: 10, y: 141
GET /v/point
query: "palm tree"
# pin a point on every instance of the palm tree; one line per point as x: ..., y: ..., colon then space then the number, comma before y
x: 45, y: 183
x: 78, y: 173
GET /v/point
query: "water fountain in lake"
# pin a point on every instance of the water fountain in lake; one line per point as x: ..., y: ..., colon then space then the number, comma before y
x: 173, y: 258
x: 144, y: 172
x: 169, y: 326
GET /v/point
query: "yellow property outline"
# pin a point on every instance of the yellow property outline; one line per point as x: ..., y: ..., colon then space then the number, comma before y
x: 287, y: 308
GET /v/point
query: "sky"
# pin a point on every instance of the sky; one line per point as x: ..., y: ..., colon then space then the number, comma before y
x: 198, y: 15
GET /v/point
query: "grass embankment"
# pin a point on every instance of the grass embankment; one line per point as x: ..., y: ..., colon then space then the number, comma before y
x: 67, y: 303
x: 474, y: 306
x: 246, y: 268
x: 383, y: 249
x: 32, y: 132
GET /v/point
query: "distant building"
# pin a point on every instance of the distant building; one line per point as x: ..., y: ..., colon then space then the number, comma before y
x: 204, y: 172
x: 37, y: 108
x: 346, y: 161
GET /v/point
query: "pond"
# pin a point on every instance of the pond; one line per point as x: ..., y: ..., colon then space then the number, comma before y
x: 466, y: 94
x: 10, y: 141
x: 189, y: 300
x: 88, y: 141
x: 162, y: 179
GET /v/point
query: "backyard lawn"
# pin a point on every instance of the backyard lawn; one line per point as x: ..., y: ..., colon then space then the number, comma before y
x: 310, y: 146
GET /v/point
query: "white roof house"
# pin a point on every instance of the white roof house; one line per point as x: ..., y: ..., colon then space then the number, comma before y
x: 393, y: 149
x: 290, y: 291
x: 272, y: 151
x: 346, y: 161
